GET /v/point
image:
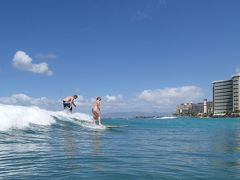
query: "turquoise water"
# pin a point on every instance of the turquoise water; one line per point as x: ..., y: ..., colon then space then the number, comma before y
x: 182, y: 148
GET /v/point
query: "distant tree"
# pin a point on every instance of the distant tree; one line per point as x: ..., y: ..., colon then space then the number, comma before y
x: 193, y: 114
x: 236, y: 111
x: 228, y: 113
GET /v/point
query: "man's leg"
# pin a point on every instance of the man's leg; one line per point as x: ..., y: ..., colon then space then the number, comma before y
x: 99, y: 120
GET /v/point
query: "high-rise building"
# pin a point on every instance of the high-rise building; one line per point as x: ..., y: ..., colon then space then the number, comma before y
x: 236, y: 93
x: 226, y: 95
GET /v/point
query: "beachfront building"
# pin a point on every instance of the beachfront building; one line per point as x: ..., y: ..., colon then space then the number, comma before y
x: 226, y: 96
x: 236, y: 93
x: 194, y: 108
x: 184, y: 109
x: 222, y: 97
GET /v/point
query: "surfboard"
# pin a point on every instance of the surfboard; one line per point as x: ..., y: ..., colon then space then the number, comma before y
x: 115, y: 126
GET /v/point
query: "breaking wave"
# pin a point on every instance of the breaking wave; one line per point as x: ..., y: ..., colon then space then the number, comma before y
x: 20, y: 117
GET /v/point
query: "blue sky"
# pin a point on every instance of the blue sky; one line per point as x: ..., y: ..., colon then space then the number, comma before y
x: 138, y: 55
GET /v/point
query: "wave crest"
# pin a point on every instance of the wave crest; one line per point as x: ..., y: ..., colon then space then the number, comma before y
x: 20, y: 117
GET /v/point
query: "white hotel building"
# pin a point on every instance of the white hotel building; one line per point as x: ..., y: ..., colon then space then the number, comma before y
x: 226, y: 95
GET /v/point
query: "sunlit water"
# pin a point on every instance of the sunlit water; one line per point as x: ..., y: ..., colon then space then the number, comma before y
x: 182, y: 148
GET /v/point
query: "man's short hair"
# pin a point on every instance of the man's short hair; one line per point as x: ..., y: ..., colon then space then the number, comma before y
x: 75, y: 96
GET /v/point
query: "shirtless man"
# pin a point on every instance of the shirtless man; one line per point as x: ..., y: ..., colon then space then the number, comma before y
x: 69, y: 101
x: 96, y: 111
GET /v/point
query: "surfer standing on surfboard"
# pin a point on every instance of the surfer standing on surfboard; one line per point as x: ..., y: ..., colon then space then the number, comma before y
x: 69, y: 101
x: 96, y: 111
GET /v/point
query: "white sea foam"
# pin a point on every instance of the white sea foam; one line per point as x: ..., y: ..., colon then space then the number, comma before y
x: 20, y: 117
x: 166, y: 117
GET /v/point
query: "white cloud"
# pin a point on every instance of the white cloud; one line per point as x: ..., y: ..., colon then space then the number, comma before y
x: 237, y: 71
x: 25, y: 100
x: 22, y: 61
x: 109, y: 98
x: 49, y: 56
x: 82, y: 102
x: 115, y: 103
x: 172, y: 96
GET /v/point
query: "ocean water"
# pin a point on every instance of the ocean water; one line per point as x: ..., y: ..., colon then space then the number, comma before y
x: 39, y: 144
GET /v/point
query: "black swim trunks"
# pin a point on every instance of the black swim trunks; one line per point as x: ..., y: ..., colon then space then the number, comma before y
x: 67, y: 105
